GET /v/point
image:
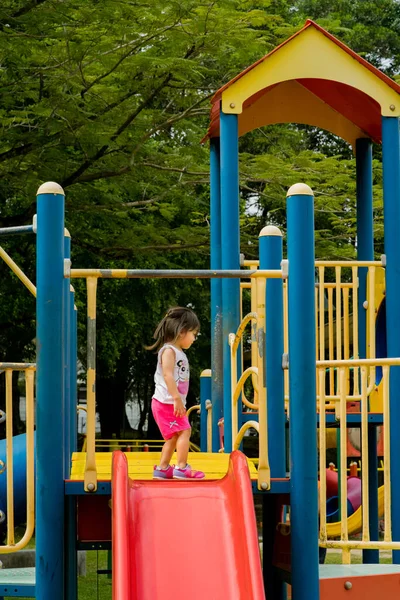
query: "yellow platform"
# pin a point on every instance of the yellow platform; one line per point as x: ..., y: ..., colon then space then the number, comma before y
x: 141, y: 464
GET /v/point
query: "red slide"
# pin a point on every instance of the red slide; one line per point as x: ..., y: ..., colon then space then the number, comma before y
x: 174, y: 540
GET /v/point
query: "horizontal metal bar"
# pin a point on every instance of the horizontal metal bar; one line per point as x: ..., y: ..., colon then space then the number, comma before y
x: 331, y: 263
x: 359, y: 362
x: 173, y: 273
x: 17, y: 366
x: 16, y: 230
x: 358, y: 545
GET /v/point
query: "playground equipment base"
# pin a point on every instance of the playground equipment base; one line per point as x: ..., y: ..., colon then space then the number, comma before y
x: 17, y: 583
x: 359, y: 582
x: 140, y: 464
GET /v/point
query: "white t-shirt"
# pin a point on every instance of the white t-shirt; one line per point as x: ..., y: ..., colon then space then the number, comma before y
x: 181, y: 376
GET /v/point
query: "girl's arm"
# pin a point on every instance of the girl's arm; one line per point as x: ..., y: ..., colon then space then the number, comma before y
x: 168, y: 365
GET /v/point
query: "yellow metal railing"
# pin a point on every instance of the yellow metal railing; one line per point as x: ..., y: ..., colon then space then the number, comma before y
x: 91, y: 469
x: 17, y: 271
x: 360, y: 519
x: 336, y: 300
x: 140, y: 444
x: 91, y: 276
x: 133, y: 445
x: 257, y: 320
x: 8, y: 468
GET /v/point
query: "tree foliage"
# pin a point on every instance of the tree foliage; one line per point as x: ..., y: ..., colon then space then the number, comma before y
x: 111, y: 98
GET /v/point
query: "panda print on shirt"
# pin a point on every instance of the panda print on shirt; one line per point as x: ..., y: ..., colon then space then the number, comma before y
x: 183, y: 376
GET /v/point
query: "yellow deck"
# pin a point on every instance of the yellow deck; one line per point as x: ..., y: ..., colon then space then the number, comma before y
x: 141, y: 464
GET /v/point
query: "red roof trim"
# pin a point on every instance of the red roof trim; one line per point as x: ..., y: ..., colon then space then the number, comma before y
x: 309, y: 23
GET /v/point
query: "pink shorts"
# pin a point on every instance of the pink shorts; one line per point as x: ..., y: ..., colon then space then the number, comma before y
x: 167, y: 423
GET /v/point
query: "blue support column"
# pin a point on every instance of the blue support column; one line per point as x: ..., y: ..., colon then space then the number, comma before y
x: 270, y: 251
x: 365, y: 251
x: 230, y: 254
x: 216, y: 292
x: 302, y: 392
x: 270, y: 258
x: 74, y: 373
x: 205, y: 395
x: 67, y: 362
x: 50, y: 394
x: 365, y: 231
x: 71, y: 556
x: 391, y: 207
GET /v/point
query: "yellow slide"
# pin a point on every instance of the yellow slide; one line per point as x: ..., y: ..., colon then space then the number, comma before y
x: 354, y: 522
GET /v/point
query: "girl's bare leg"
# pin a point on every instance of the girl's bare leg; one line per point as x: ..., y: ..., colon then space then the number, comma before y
x: 182, y: 448
x: 167, y: 451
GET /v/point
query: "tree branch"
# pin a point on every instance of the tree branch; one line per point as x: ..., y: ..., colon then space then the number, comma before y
x: 174, y: 169
x: 25, y: 9
x: 167, y: 123
x: 100, y: 153
x: 128, y: 252
x: 130, y: 52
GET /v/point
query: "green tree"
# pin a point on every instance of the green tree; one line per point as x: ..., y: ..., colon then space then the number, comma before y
x: 111, y: 99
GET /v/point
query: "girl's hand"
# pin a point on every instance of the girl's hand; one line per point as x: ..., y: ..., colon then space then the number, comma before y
x: 179, y: 409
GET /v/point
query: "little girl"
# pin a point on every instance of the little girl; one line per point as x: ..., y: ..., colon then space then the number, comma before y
x: 176, y: 332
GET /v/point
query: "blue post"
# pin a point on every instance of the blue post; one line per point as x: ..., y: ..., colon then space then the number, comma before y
x: 71, y: 557
x: 302, y: 393
x: 365, y: 251
x: 205, y: 394
x: 270, y: 258
x: 365, y: 231
x: 270, y: 251
x: 67, y: 362
x: 391, y: 207
x: 74, y: 373
x: 216, y: 292
x: 50, y: 394
x: 230, y: 254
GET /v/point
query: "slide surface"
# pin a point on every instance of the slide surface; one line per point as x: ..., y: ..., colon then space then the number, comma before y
x: 174, y: 540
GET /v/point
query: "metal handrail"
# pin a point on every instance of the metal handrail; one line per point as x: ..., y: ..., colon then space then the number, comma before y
x: 258, y: 317
x: 29, y: 370
x: 344, y: 543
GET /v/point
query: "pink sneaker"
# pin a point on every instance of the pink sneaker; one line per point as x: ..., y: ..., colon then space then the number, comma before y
x: 163, y: 473
x: 187, y: 473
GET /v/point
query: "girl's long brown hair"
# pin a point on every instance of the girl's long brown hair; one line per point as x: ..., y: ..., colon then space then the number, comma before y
x: 178, y: 319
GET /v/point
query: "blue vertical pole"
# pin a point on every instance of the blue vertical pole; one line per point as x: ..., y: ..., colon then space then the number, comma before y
x: 205, y: 394
x: 50, y: 394
x: 270, y: 251
x: 230, y: 254
x: 365, y: 251
x: 391, y: 209
x: 302, y: 393
x: 74, y: 372
x: 270, y: 258
x: 67, y: 362
x: 71, y: 557
x: 365, y: 231
x: 216, y: 292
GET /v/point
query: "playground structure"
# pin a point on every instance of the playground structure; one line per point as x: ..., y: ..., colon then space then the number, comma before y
x: 318, y: 347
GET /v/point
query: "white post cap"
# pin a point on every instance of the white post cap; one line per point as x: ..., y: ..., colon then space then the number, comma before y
x: 50, y: 187
x: 300, y: 189
x: 206, y: 373
x: 270, y: 230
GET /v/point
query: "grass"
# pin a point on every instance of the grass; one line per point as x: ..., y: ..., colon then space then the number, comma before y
x: 93, y: 586
x: 335, y: 558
